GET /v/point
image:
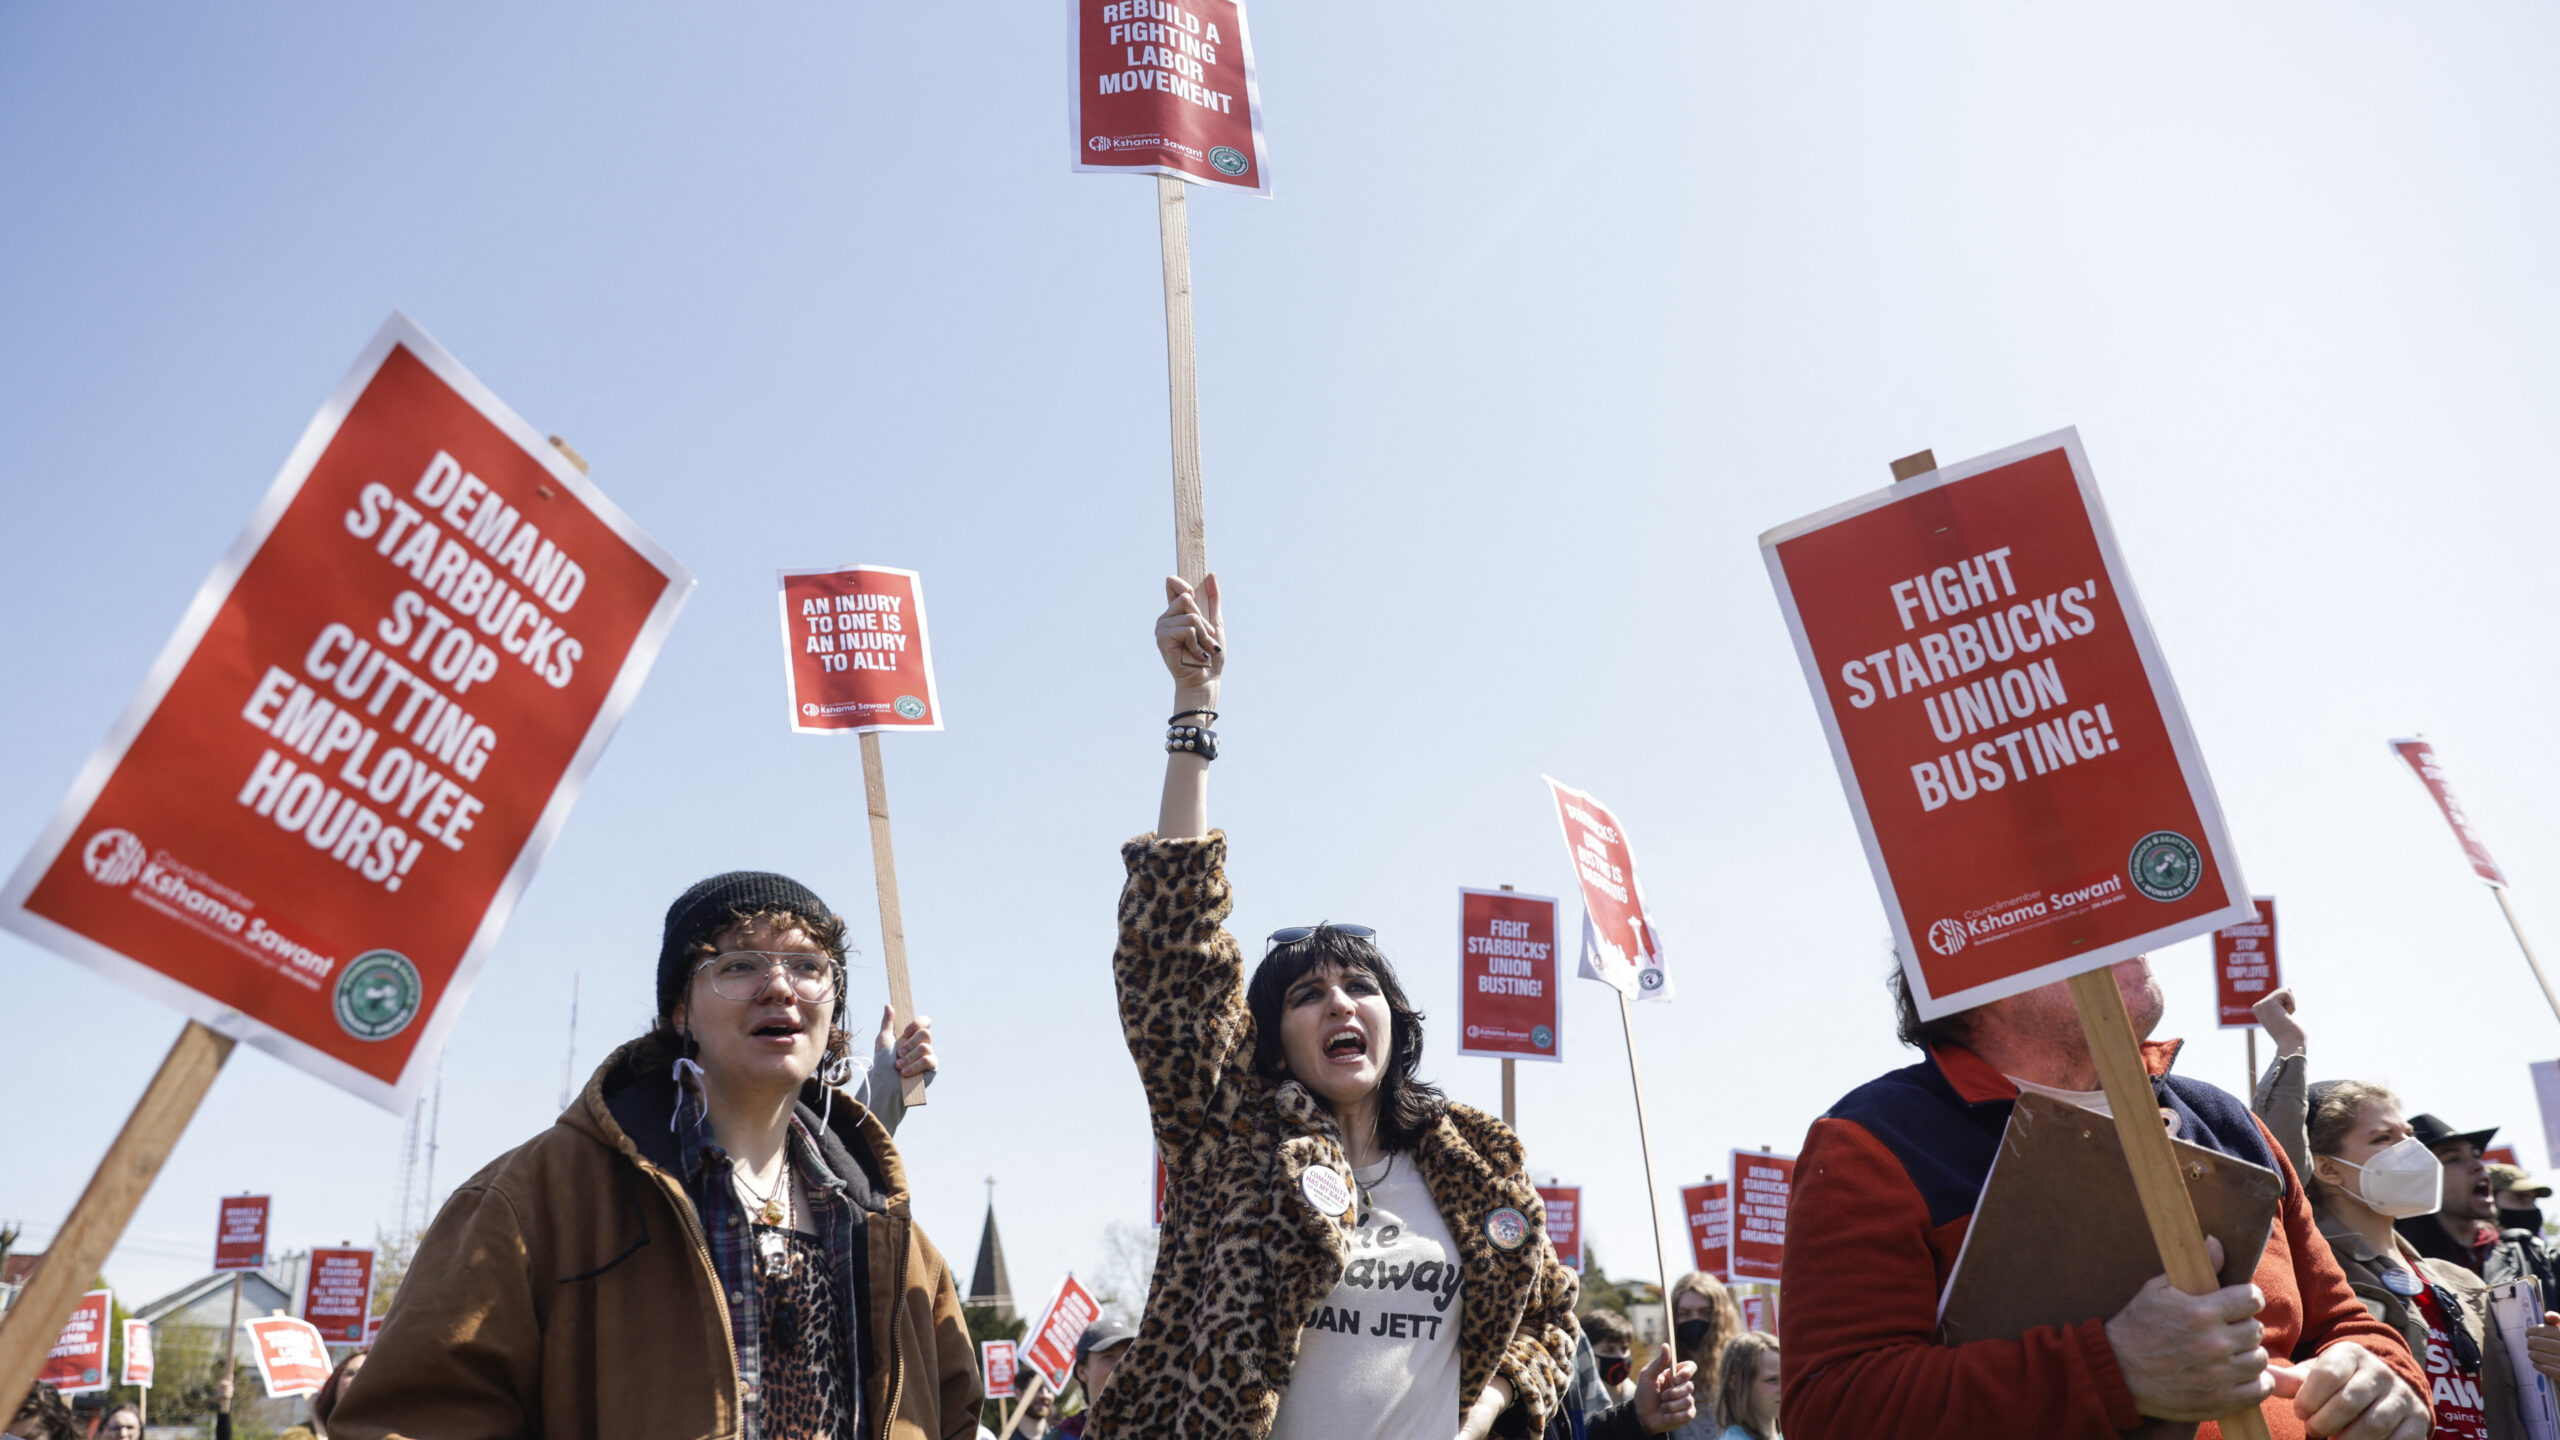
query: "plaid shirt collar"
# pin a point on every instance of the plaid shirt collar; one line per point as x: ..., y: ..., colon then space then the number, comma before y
x: 727, y: 1227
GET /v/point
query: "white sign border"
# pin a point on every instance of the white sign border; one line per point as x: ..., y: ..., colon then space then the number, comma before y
x: 311, y: 1277
x: 1252, y: 100
x: 266, y: 1368
x: 124, y: 1366
x: 1733, y: 1215
x: 437, y: 1024
x: 2272, y: 926
x: 2164, y: 689
x: 1555, y: 961
x: 1583, y: 968
x: 1022, y: 1348
x: 924, y: 645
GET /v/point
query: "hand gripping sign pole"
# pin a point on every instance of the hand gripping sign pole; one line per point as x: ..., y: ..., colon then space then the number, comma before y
x: 308, y: 828
x: 2033, y: 804
x: 2421, y: 760
x: 855, y: 657
x: 1175, y: 95
x: 1621, y: 949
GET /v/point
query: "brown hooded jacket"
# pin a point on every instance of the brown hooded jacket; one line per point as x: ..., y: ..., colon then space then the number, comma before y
x: 566, y: 1291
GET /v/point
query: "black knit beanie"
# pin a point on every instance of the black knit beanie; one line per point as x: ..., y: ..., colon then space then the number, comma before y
x: 714, y: 905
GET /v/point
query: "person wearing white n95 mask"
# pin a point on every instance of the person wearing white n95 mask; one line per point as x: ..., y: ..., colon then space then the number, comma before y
x: 2401, y: 1179
x: 2368, y: 1168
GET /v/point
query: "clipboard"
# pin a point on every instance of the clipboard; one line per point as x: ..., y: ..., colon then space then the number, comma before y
x: 2059, y: 1235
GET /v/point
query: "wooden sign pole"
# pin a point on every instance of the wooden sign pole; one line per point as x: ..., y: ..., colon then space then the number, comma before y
x: 2252, y: 1087
x: 1190, y: 523
x: 2163, y: 1191
x: 98, y: 1218
x: 1644, y: 1139
x: 893, y: 925
x: 231, y: 1346
x: 2527, y: 947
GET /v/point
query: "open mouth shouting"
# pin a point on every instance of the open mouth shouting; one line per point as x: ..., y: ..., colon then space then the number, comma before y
x: 1347, y: 1045
x: 779, y: 1032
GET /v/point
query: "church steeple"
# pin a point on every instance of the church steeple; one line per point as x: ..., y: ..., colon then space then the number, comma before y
x: 988, y: 1284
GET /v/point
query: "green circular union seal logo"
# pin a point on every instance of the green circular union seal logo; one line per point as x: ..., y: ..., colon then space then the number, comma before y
x: 1227, y: 160
x: 908, y: 707
x: 378, y: 995
x: 1542, y: 1037
x: 2165, y: 865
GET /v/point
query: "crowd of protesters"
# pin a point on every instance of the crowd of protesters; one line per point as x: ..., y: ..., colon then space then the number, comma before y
x: 716, y: 1238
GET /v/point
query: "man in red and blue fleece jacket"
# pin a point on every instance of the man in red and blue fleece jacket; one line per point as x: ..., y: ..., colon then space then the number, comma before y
x: 1886, y: 1185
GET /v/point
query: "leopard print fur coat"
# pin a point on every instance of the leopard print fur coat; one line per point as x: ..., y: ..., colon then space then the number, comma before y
x: 1245, y: 1258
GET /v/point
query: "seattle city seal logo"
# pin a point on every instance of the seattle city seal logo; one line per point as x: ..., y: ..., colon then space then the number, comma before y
x: 1946, y: 937
x: 113, y: 857
x: 2165, y: 865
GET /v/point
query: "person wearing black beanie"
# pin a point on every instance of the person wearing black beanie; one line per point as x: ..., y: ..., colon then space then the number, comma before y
x: 711, y: 1241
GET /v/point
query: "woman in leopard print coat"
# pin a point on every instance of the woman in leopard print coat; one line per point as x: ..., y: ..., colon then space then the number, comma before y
x: 1277, y: 1106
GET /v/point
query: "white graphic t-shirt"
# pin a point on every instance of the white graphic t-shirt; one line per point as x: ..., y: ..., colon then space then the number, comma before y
x: 1379, y: 1361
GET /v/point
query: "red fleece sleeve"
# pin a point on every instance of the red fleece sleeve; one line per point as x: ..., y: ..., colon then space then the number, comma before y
x: 1861, y: 1357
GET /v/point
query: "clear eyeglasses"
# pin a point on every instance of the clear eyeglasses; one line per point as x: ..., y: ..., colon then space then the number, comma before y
x: 744, y: 974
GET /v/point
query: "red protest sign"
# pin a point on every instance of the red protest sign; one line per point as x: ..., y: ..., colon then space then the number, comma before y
x: 338, y: 1297
x: 1755, y: 1312
x: 1158, y: 1211
x: 2244, y: 965
x: 2031, y: 798
x: 1507, y: 1002
x: 240, y: 1233
x: 1619, y: 943
x: 854, y: 654
x: 1168, y: 89
x: 137, y: 1355
x: 310, y: 824
x: 996, y: 1364
x: 2421, y: 760
x: 2502, y: 1155
x: 1564, y: 1222
x: 292, y: 1357
x: 78, y: 1361
x: 1710, y: 1228
x: 1049, y: 1346
x: 1761, y: 1184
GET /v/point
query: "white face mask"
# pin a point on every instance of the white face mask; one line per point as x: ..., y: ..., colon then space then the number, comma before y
x: 2400, y: 1180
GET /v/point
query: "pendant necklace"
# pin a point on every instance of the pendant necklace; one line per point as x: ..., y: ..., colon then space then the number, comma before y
x: 770, y: 1209
x: 1363, y: 1185
x: 773, y: 1251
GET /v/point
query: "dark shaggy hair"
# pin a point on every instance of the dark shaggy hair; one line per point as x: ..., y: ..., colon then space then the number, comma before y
x: 1407, y: 1108
x: 659, y: 1048
x: 1919, y: 1034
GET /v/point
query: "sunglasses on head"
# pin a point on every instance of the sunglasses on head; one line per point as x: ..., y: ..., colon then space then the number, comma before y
x: 1295, y: 933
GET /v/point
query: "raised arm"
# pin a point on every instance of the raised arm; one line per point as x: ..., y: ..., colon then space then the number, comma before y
x: 1194, y: 644
x: 1179, y: 973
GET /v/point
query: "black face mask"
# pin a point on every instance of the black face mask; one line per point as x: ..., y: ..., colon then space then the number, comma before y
x: 1613, y: 1369
x: 1692, y: 1333
x: 2526, y: 1219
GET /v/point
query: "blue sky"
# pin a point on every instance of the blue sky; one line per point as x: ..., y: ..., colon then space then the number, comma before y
x: 1550, y: 316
